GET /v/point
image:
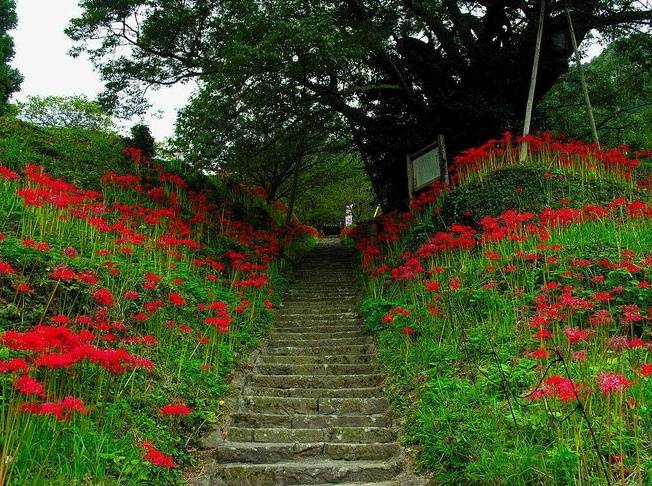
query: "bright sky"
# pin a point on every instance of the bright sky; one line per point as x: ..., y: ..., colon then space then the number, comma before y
x: 42, y: 57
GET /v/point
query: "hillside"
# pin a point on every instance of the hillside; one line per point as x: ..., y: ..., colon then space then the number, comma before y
x: 513, y: 316
x: 127, y: 293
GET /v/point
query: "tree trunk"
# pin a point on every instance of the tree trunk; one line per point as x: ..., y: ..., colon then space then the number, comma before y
x: 293, y: 194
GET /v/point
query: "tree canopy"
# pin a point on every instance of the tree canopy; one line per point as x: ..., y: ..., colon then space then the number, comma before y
x: 396, y: 72
x: 10, y: 78
x: 620, y: 84
x: 65, y: 112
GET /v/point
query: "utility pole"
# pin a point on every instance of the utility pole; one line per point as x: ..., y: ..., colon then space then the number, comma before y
x: 533, y: 82
x: 580, y: 69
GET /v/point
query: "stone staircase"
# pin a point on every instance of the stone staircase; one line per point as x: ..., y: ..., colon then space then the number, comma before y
x: 312, y: 408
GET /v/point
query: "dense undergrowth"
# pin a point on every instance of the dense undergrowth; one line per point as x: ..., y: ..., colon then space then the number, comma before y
x: 127, y: 293
x: 513, y: 317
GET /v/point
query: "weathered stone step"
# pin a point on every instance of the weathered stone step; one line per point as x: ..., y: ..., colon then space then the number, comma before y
x: 307, y: 421
x: 358, y: 435
x: 328, y: 359
x: 312, y: 343
x: 322, y: 327
x: 368, y: 392
x: 318, y: 298
x: 328, y: 406
x: 321, y: 310
x: 260, y: 452
x: 302, y: 335
x: 324, y: 350
x: 316, y: 322
x: 321, y: 381
x: 316, y: 369
x: 305, y: 472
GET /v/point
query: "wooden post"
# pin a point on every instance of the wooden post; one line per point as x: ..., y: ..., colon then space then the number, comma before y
x: 410, y: 177
x: 585, y: 87
x: 443, y: 160
x: 533, y: 81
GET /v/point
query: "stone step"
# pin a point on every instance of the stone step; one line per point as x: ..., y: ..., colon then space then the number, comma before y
x: 271, y: 452
x: 316, y: 369
x: 319, y: 343
x: 252, y: 420
x: 368, y: 392
x: 358, y: 435
x: 327, y: 359
x: 324, y: 310
x: 304, y: 472
x: 303, y: 335
x: 327, y: 406
x: 324, y: 350
x: 321, y: 381
x: 315, y: 322
x: 322, y: 327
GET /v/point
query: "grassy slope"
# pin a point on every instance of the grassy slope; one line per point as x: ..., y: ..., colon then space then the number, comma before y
x: 190, y: 364
x: 462, y: 380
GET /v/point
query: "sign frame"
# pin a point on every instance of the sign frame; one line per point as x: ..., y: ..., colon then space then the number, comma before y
x: 440, y: 146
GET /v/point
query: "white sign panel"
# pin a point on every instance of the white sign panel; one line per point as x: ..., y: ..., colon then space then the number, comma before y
x: 426, y: 168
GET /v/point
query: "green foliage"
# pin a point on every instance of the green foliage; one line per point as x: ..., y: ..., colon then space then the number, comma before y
x: 142, y: 138
x: 79, y: 156
x: 390, y: 74
x: 327, y: 188
x: 620, y: 85
x: 461, y: 381
x: 520, y: 188
x: 525, y: 189
x: 10, y: 78
x: 65, y: 112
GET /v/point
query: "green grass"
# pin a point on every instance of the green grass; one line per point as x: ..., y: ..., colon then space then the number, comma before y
x: 461, y: 381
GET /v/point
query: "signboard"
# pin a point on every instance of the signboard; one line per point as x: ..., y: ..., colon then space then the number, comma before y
x: 426, y: 166
x: 426, y: 169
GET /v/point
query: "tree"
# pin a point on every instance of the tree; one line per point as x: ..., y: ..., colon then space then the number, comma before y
x: 255, y: 144
x: 620, y: 84
x: 330, y: 187
x: 65, y: 112
x: 398, y: 71
x: 142, y: 138
x: 10, y: 78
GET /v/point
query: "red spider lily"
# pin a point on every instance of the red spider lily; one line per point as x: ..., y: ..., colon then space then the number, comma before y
x: 559, y: 387
x: 103, y: 297
x: 29, y: 386
x: 408, y: 331
x: 601, y: 318
x: 63, y: 273
x: 179, y: 408
x: 575, y: 335
x: 131, y: 295
x: 156, y: 457
x: 14, y: 365
x: 176, y: 299
x: 61, y: 410
x: 8, y: 174
x: 392, y: 314
x: 268, y: 304
x: 646, y: 369
x: 23, y: 288
x: 69, y: 251
x: 221, y: 324
x: 6, y: 268
x: 610, y: 382
x: 432, y: 286
x: 540, y: 353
